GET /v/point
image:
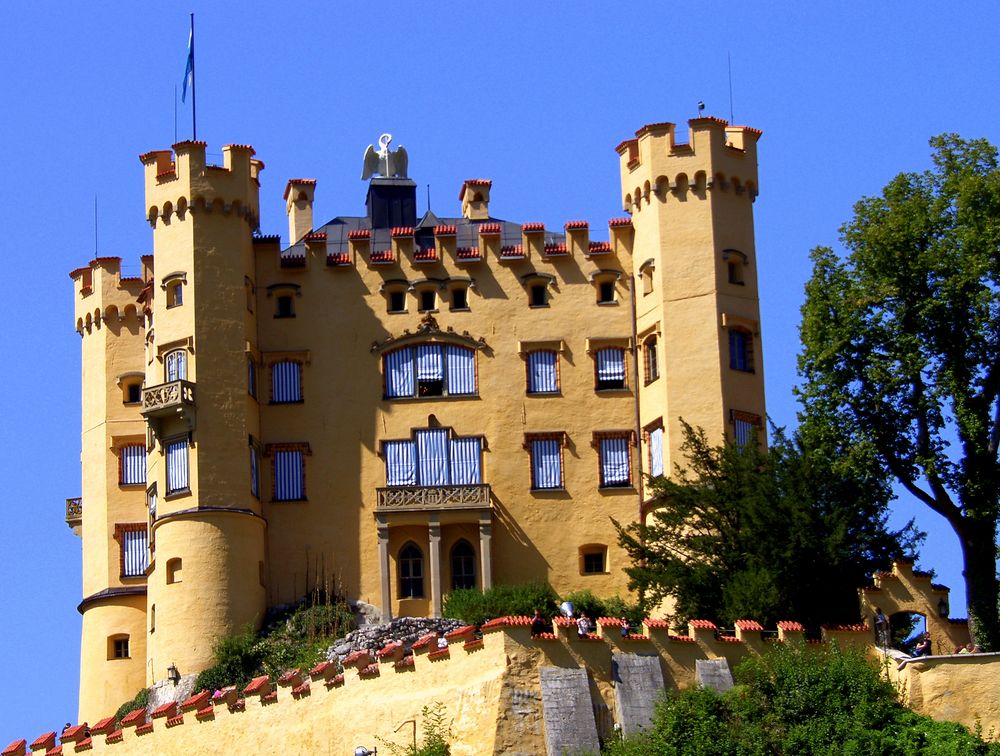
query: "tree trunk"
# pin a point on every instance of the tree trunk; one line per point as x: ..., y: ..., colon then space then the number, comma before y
x: 979, y: 551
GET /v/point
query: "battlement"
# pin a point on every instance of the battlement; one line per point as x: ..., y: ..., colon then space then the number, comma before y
x: 368, y: 694
x: 182, y: 181
x: 716, y: 157
x: 102, y: 293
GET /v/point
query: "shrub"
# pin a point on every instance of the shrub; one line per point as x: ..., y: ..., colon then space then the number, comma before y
x: 238, y: 659
x: 799, y: 701
x: 474, y: 607
x: 435, y: 735
x: 594, y: 607
x: 140, y: 701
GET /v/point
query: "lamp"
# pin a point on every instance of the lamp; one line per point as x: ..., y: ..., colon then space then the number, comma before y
x: 173, y: 675
x: 943, y: 608
x: 362, y: 751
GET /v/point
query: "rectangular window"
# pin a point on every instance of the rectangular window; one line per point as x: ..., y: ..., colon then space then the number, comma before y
x: 546, y: 463
x: 286, y: 382
x: 593, y: 562
x: 121, y: 648
x: 539, y: 295
x: 606, y: 292
x: 459, y: 299
x: 430, y: 370
x: 289, y: 475
x: 251, y: 378
x: 397, y: 301
x: 433, y: 459
x: 285, y: 309
x: 132, y: 465
x: 134, y: 543
x: 610, y: 369
x: 745, y: 427
x: 740, y: 350
x: 177, y: 466
x: 656, y: 452
x: 615, y: 461
x: 133, y: 393
x: 543, y: 372
x: 652, y: 364
x: 428, y: 301
x: 254, y: 471
x: 175, y: 365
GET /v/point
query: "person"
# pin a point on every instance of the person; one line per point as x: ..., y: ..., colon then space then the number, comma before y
x: 583, y: 626
x: 442, y: 642
x: 538, y: 624
x: 881, y: 628
x: 626, y: 628
x: 923, y: 648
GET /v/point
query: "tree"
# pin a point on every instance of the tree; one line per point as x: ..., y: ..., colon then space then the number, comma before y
x: 901, y: 348
x: 787, y: 533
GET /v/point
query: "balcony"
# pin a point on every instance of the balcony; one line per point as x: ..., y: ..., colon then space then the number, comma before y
x: 173, y: 399
x: 74, y: 514
x: 429, y: 498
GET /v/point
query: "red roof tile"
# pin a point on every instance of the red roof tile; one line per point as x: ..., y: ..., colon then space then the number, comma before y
x: 489, y: 229
x: 134, y: 717
x: 425, y: 254
x: 636, y: 637
x: 45, y: 740
x: 532, y: 228
x: 460, y: 632
x: 358, y: 657
x: 301, y: 690
x: 729, y: 639
x: 609, y: 622
x: 681, y: 638
x: 555, y: 249
x: 576, y: 225
x: 368, y: 672
x: 144, y: 729
x: 749, y: 625
x: 315, y: 236
x: 320, y: 668
x: 511, y: 251
x: 656, y: 624
x: 859, y: 628
x: 791, y: 626
x: 17, y: 747
x: 292, y: 677
x: 256, y: 685
x: 473, y: 645
x: 382, y: 256
x: 86, y: 744
x: 398, y: 231
x: 467, y: 253
x: 441, y: 653
x: 445, y: 230
x: 545, y: 636
x: 388, y: 649
x: 113, y: 737
x: 702, y: 624
x: 598, y: 248
x: 405, y: 663
x: 335, y: 681
x: 425, y: 640
x: 359, y: 233
x: 338, y: 258
x: 77, y: 731
x: 269, y: 698
x: 196, y: 701
x: 472, y: 182
x: 707, y: 119
x: 174, y: 721
x: 618, y: 222
x: 167, y: 710
x: 205, y: 713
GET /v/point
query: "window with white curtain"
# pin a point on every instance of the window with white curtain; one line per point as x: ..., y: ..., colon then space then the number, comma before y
x: 132, y: 465
x: 546, y: 463
x: 611, y: 369
x: 134, y: 549
x: 543, y: 372
x: 656, y: 452
x: 428, y: 370
x: 177, y: 466
x: 433, y: 457
x: 289, y: 475
x: 286, y: 382
x: 616, y: 468
x: 175, y: 365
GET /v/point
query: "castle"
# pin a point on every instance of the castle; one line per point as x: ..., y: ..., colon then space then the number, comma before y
x: 414, y: 404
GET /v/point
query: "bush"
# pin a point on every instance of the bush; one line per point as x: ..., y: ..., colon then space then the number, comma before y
x: 298, y: 637
x: 799, y: 701
x: 435, y: 735
x: 616, y: 606
x: 140, y: 701
x: 474, y: 607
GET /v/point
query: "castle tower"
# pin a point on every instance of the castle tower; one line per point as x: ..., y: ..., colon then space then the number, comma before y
x: 207, y: 535
x: 111, y: 513
x: 697, y: 308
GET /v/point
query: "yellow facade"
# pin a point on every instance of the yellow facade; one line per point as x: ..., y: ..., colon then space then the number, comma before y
x: 545, y: 368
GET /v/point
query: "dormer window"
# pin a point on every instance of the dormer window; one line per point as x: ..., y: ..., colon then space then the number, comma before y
x: 284, y: 299
x: 174, y: 285
x: 604, y: 281
x: 736, y: 262
x: 538, y: 285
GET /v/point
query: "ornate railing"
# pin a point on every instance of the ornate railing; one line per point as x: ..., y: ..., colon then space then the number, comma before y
x: 412, y: 498
x: 74, y: 512
x: 167, y: 398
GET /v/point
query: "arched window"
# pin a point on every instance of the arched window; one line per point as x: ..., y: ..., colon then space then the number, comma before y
x: 652, y: 359
x: 175, y: 365
x: 411, y: 572
x: 174, y: 570
x: 463, y: 565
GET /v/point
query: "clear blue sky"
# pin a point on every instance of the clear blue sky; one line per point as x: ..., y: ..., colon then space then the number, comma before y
x: 532, y: 95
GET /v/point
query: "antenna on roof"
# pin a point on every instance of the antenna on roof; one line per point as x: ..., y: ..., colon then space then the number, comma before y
x: 95, y: 225
x: 428, y: 198
x: 701, y: 107
x: 729, y: 60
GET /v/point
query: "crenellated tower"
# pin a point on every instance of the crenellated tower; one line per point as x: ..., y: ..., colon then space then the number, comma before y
x: 111, y: 512
x: 697, y: 307
x: 207, y: 535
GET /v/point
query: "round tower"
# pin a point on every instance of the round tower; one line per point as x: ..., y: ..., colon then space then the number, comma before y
x: 697, y: 307
x: 110, y: 514
x: 207, y: 535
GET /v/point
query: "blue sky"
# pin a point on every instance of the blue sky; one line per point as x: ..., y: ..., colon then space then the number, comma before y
x: 532, y: 95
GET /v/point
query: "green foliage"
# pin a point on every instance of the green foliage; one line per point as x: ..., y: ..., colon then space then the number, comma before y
x: 474, y: 607
x: 799, y: 701
x: 296, y: 638
x: 141, y: 701
x: 434, y: 740
x: 787, y: 533
x: 900, y: 344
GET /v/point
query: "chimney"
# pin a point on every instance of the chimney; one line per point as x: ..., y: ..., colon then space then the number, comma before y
x: 475, y: 199
x: 299, y: 205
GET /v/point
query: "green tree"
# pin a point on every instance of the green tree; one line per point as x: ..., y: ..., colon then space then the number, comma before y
x: 901, y: 348
x: 786, y: 533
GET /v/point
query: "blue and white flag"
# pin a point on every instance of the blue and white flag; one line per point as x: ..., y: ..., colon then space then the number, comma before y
x: 189, y: 68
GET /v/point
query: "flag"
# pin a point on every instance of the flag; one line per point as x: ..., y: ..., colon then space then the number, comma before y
x: 189, y: 68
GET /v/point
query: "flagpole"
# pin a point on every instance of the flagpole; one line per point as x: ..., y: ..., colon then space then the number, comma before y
x: 194, y: 99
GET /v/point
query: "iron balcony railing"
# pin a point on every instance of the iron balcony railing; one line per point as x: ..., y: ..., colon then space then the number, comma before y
x: 424, y: 498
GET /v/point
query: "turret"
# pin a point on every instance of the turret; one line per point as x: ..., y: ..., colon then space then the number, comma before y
x: 698, y: 321
x: 299, y: 195
x: 207, y: 533
x: 112, y: 515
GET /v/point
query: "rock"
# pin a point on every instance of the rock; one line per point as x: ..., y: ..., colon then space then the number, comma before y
x: 373, y: 637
